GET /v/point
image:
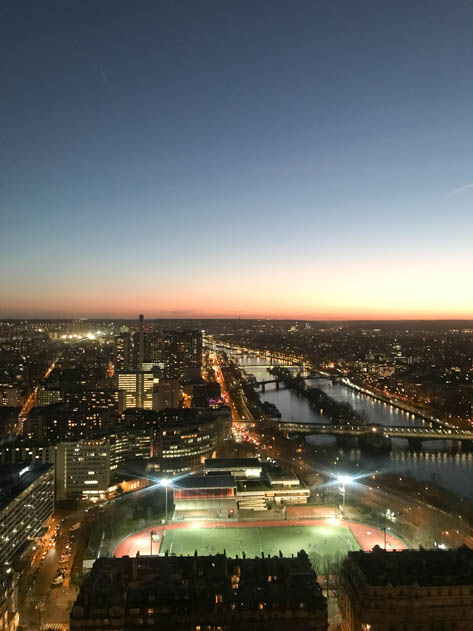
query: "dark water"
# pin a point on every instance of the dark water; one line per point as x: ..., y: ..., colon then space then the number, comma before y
x: 438, y: 461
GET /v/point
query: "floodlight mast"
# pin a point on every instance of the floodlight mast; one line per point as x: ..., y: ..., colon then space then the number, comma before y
x: 343, y: 480
x: 166, y: 482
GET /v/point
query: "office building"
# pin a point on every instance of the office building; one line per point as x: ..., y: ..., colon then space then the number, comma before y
x: 408, y: 590
x: 121, y: 360
x: 208, y: 593
x: 27, y: 452
x: 183, y: 354
x: 61, y: 422
x: 186, y: 437
x: 128, y: 444
x: 82, y: 470
x: 168, y: 394
x: 138, y: 387
x: 96, y: 402
x: 48, y: 396
x: 9, y: 618
x: 26, y: 503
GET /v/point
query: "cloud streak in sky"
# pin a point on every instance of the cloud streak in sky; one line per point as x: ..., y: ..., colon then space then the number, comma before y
x: 460, y: 189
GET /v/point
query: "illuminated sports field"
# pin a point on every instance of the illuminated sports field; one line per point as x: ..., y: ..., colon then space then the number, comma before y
x: 317, y: 541
x: 318, y: 537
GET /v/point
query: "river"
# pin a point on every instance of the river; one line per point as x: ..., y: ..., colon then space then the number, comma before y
x: 438, y: 461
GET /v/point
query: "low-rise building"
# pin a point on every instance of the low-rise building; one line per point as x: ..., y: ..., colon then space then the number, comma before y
x: 237, y: 467
x: 245, y: 484
x: 26, y: 503
x: 208, y: 593
x: 409, y: 590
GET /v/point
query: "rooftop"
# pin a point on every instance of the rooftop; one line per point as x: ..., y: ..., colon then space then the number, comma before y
x: 15, y: 478
x: 195, y: 585
x: 233, y: 463
x: 207, y: 482
x: 409, y: 567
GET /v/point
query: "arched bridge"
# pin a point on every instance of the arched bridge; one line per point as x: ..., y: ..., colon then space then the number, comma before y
x: 400, y: 431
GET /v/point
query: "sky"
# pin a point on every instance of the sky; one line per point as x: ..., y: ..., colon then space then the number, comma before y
x: 261, y: 158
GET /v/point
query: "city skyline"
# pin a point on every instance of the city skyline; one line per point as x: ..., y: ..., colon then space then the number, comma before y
x: 307, y: 160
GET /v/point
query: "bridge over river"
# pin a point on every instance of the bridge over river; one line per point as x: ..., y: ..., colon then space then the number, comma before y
x: 280, y: 384
x: 414, y: 434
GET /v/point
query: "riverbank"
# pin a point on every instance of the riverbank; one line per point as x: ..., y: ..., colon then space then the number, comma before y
x: 405, y: 407
x: 338, y: 413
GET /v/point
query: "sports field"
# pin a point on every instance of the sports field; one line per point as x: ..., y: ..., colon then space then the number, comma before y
x: 318, y: 537
x: 317, y: 541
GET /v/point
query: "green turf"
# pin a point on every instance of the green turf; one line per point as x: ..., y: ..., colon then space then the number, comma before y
x: 317, y: 541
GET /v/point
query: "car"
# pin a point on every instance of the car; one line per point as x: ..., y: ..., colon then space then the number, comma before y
x: 57, y: 580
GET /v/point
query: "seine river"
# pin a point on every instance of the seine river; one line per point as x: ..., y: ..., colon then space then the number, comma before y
x: 438, y: 461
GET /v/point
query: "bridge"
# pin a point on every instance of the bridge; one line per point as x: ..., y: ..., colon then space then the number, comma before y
x: 277, y: 381
x: 383, y: 431
x: 288, y: 364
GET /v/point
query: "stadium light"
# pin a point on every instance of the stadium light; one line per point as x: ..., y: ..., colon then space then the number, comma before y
x: 344, y: 480
x: 166, y: 483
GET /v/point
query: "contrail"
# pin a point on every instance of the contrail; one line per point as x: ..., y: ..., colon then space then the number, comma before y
x: 460, y: 189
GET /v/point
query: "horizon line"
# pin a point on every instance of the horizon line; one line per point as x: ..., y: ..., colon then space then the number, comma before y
x: 236, y: 318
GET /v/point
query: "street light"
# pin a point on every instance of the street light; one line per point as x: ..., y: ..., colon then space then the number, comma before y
x: 166, y: 483
x: 343, y: 480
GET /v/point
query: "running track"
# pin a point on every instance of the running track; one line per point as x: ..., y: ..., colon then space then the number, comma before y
x: 367, y: 536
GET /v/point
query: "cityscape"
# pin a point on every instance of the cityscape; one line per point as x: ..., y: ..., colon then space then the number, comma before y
x: 298, y: 459
x: 236, y: 315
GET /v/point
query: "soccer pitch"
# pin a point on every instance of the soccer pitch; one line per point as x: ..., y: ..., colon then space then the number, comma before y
x: 317, y: 541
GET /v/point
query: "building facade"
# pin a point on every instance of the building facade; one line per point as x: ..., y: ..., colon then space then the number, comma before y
x: 138, y: 388
x: 168, y: 394
x: 211, y: 593
x: 121, y: 359
x: 408, y: 590
x: 27, y: 452
x: 83, y: 470
x: 26, y: 503
x: 183, y: 354
x: 128, y: 444
x: 9, y: 618
x: 185, y: 438
x: 10, y: 396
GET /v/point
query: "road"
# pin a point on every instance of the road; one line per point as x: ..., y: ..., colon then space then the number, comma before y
x: 31, y: 400
x: 46, y: 605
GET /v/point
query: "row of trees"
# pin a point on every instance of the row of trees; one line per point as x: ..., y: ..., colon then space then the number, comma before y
x: 338, y: 412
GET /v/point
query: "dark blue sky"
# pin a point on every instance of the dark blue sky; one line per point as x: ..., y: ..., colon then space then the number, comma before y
x: 241, y: 158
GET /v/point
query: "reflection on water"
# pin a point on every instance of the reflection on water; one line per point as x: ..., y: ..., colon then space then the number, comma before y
x: 451, y: 469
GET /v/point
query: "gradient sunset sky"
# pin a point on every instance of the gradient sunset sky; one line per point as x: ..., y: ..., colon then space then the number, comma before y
x: 306, y: 159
